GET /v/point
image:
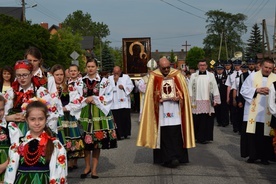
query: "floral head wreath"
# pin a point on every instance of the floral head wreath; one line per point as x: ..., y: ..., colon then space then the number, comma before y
x: 25, y: 104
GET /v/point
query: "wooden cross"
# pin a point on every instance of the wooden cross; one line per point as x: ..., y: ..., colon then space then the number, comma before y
x: 186, y: 46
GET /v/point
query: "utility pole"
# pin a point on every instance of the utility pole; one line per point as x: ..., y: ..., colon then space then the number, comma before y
x: 265, y: 36
x: 220, y: 45
x: 23, y: 10
x: 274, y: 39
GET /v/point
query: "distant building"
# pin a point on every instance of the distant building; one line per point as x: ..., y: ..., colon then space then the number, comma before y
x: 87, y: 43
x: 15, y: 12
x: 179, y: 55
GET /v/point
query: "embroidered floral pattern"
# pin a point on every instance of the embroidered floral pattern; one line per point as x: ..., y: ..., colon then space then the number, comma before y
x: 105, y: 84
x: 61, y: 159
x: 168, y: 115
x: 112, y: 134
x: 58, y: 180
x: 99, y: 135
x: 3, y: 135
x: 72, y: 145
x: 71, y: 87
x: 88, y: 139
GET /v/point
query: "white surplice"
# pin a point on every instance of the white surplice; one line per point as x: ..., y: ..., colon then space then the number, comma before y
x: 121, y: 97
x: 248, y: 91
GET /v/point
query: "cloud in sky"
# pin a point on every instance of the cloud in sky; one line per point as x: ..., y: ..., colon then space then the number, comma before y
x: 169, y: 23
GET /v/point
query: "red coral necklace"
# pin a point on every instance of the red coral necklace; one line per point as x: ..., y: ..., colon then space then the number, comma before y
x: 36, y: 155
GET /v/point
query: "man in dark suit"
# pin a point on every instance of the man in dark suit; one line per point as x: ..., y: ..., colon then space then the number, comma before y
x: 222, y: 111
x: 239, y: 98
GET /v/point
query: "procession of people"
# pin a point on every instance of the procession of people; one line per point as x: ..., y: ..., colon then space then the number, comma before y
x: 51, y: 119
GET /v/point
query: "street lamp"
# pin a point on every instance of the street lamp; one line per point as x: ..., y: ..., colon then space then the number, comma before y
x: 24, y: 9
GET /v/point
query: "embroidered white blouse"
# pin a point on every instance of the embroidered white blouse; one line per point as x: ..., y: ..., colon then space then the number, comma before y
x: 41, y: 92
x: 57, y: 165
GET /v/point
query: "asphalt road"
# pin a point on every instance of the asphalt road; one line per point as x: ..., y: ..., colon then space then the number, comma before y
x: 218, y: 162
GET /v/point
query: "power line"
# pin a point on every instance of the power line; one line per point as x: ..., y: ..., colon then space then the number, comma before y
x: 248, y: 7
x: 260, y: 8
x: 165, y: 38
x: 182, y: 36
x: 192, y: 6
x: 183, y: 10
x: 48, y: 13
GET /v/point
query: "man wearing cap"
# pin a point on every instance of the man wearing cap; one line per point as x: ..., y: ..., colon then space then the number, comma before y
x: 251, y: 63
x: 228, y: 67
x: 239, y: 100
x: 204, y: 96
x: 255, y: 140
x: 221, y: 110
x: 166, y: 122
x: 230, y: 100
x: 142, y: 84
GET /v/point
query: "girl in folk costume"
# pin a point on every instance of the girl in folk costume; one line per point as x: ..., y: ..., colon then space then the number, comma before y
x: 39, y: 157
x: 96, y: 119
x: 6, y: 78
x: 34, y: 56
x: 9, y: 134
x: 23, y: 88
x: 69, y: 129
x: 75, y: 77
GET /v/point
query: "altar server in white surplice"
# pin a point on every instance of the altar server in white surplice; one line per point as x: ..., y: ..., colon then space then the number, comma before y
x: 122, y: 87
x: 204, y: 95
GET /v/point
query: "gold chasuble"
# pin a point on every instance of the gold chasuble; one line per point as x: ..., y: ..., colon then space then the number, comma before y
x: 148, y: 133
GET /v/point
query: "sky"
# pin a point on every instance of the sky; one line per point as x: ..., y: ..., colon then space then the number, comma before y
x: 169, y: 23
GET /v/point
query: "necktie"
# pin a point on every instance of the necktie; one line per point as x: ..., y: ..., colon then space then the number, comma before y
x: 237, y: 75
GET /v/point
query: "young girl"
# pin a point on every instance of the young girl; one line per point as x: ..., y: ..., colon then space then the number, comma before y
x: 9, y: 134
x: 71, y: 102
x: 23, y: 88
x: 96, y: 119
x: 39, y: 157
x: 6, y: 78
x: 75, y: 77
x: 34, y: 56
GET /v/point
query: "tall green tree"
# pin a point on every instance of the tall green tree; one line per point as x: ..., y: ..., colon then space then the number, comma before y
x: 66, y: 43
x: 81, y: 23
x: 226, y: 27
x: 16, y: 37
x: 194, y: 55
x: 107, y: 59
x: 118, y: 56
x: 254, y: 45
x: 172, y: 58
